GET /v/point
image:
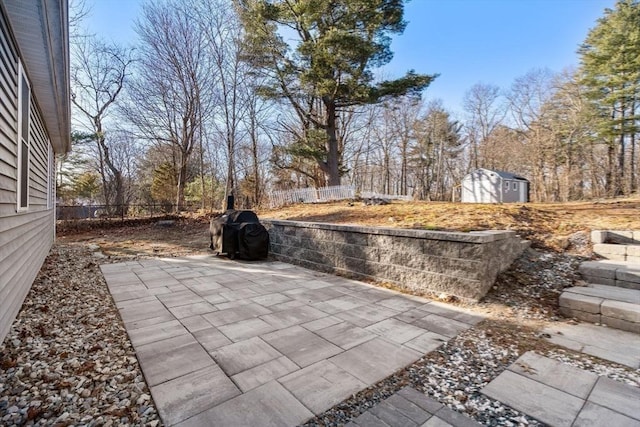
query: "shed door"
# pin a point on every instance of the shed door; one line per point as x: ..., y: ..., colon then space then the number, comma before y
x: 523, y: 191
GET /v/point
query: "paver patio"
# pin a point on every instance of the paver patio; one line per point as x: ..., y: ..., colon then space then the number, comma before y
x: 223, y: 342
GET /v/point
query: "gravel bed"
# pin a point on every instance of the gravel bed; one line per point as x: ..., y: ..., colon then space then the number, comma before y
x: 455, y: 374
x: 67, y: 359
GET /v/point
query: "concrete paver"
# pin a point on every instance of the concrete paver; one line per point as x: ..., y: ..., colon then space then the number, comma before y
x: 547, y: 404
x: 395, y: 330
x: 392, y: 416
x: 235, y: 314
x: 269, y: 405
x: 374, y: 360
x: 563, y: 395
x: 366, y: 315
x: 157, y: 332
x: 294, y: 316
x: 195, y: 323
x: 262, y: 374
x: 400, y: 303
x: 408, y: 407
x: 436, y: 422
x: 617, y: 396
x: 301, y: 346
x: 321, y: 385
x: 141, y: 311
x: 211, y: 338
x: 168, y: 359
x: 243, y: 355
x: 189, y: 310
x: 593, y: 415
x: 233, y: 343
x: 191, y: 394
x: 246, y: 329
x: 610, y: 344
x: 441, y: 325
x: 345, y: 335
x: 420, y: 400
x: 323, y: 323
x: 426, y: 342
x: 454, y: 418
x: 556, y: 374
x: 452, y: 312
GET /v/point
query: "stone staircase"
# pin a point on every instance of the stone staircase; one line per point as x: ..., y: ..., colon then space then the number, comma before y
x: 612, y: 294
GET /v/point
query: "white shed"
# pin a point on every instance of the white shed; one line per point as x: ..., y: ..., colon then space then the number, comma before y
x: 489, y: 186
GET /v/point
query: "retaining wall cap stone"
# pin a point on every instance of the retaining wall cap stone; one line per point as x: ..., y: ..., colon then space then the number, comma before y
x: 485, y: 236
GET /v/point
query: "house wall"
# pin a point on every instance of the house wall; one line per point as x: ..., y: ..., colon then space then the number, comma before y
x: 461, y: 264
x: 27, y: 236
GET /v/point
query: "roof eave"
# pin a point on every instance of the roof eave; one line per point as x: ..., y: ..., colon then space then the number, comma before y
x: 41, y: 30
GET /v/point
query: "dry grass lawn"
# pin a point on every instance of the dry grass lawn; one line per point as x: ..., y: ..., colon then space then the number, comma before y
x: 547, y: 225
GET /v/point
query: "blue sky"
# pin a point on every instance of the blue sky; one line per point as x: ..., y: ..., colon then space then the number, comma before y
x: 465, y: 41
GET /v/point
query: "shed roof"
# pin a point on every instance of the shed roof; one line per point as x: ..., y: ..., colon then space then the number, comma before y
x: 504, y: 175
x: 41, y: 30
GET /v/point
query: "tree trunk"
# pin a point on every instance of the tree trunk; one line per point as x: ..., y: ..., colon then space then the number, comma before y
x: 182, y: 181
x: 256, y: 164
x: 620, y: 172
x: 332, y: 166
x: 117, y: 174
x: 404, y: 168
x: 632, y: 154
x: 202, y: 183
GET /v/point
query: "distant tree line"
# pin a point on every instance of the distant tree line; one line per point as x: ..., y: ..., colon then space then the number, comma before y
x: 262, y: 95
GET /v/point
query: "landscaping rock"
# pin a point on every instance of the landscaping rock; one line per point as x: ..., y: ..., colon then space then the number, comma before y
x: 67, y: 359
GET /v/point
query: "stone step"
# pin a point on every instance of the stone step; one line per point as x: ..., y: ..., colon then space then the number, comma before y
x: 613, y: 306
x: 617, y: 245
x: 618, y: 252
x: 623, y: 274
x: 623, y: 237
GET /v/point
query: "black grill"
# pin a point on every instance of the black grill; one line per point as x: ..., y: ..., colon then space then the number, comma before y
x: 238, y: 233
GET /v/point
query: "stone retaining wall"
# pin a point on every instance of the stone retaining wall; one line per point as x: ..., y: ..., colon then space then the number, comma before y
x: 461, y: 264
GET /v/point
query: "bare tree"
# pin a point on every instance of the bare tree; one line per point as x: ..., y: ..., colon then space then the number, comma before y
x: 78, y: 11
x: 172, y: 93
x: 526, y: 98
x: 98, y: 76
x: 484, y: 113
x: 433, y: 154
x: 219, y: 25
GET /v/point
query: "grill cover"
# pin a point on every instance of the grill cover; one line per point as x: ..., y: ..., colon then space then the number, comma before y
x: 239, y: 233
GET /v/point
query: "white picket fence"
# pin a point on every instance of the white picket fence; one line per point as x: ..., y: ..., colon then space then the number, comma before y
x: 324, y: 194
x: 311, y: 195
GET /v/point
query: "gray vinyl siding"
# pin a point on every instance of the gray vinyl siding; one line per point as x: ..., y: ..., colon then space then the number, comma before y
x: 8, y: 122
x: 25, y: 237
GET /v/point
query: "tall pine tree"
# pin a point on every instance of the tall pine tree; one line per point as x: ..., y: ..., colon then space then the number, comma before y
x: 328, y: 66
x: 610, y: 67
